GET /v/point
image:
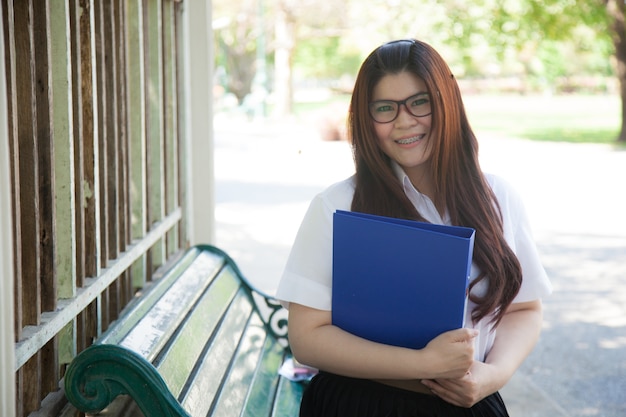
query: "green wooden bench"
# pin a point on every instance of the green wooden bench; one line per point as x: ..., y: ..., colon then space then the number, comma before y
x: 200, y: 342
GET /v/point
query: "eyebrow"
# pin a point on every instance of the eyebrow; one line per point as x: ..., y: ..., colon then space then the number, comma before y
x: 409, y: 96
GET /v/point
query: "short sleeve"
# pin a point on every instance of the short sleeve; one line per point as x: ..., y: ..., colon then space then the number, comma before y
x: 518, y: 233
x: 307, y: 278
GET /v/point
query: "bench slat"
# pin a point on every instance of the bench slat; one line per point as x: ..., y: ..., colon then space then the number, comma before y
x: 234, y: 392
x: 206, y: 383
x: 265, y: 383
x: 180, y: 357
x: 148, y: 325
x: 288, y: 398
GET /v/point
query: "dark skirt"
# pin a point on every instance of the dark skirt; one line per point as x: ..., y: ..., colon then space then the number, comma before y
x: 330, y: 395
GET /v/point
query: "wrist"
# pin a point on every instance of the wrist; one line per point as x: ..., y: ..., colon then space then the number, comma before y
x: 493, y: 377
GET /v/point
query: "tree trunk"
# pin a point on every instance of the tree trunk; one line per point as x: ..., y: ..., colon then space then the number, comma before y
x: 283, y: 56
x: 616, y: 10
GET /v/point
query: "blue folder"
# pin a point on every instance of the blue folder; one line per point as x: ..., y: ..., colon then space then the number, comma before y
x: 399, y: 282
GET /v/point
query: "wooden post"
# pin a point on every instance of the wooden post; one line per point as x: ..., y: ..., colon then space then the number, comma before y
x: 63, y: 139
x: 136, y: 111
x: 170, y: 124
x: 7, y: 374
x: 196, y: 62
x: 154, y: 123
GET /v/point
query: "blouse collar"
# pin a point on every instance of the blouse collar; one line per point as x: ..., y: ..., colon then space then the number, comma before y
x: 422, y: 202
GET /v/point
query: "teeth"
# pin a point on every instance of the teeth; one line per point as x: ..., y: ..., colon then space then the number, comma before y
x: 408, y: 140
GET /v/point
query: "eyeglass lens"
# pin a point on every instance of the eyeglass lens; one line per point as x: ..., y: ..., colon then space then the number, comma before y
x: 386, y: 111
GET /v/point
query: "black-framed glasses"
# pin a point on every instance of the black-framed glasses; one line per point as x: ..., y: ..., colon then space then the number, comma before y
x: 386, y: 111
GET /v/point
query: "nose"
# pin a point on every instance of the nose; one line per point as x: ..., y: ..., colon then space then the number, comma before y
x: 404, y: 116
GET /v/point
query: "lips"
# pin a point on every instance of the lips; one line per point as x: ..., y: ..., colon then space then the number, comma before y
x: 408, y: 141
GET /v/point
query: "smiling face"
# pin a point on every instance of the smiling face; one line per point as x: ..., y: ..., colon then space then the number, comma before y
x: 406, y: 139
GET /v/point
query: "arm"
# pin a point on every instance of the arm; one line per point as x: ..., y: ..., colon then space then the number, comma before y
x: 316, y: 342
x: 516, y: 336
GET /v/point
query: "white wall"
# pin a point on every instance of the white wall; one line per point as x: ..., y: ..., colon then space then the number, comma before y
x: 197, y: 74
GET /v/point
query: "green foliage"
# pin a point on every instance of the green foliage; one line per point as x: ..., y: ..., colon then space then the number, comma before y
x: 539, y: 42
x: 323, y: 58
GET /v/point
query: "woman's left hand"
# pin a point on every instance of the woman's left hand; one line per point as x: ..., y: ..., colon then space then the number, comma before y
x: 465, y: 391
x: 517, y: 334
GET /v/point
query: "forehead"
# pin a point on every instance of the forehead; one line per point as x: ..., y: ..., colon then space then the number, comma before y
x: 398, y: 86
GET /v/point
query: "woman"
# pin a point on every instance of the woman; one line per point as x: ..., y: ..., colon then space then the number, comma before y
x: 416, y: 157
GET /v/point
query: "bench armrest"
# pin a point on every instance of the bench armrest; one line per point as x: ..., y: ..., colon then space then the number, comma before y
x: 102, y: 372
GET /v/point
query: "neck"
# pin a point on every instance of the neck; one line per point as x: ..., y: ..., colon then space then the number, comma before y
x: 423, y: 181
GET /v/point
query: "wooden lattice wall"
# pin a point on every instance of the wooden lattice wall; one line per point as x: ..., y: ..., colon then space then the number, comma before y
x: 97, y: 185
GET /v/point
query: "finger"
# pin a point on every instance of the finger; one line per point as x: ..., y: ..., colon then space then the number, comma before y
x: 445, y: 394
x: 447, y: 384
x: 466, y: 335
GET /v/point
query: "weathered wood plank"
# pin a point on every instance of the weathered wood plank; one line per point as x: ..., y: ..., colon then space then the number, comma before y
x: 9, y: 40
x: 207, y: 381
x: 109, y: 29
x: 141, y: 305
x: 154, y: 122
x: 264, y: 385
x: 27, y: 167
x: 91, y: 321
x: 136, y: 128
x: 165, y: 315
x: 77, y: 130
x: 183, y: 130
x: 119, y: 39
x: 170, y: 119
x: 45, y: 152
x: 67, y: 344
x: 287, y: 402
x: 103, y: 312
x: 31, y: 377
x: 63, y: 137
x: 122, y: 186
x: 19, y: 393
x: 103, y: 135
x: 50, y: 372
x: 178, y: 362
x: 234, y: 394
x: 81, y: 332
x: 89, y: 139
x: 27, y: 172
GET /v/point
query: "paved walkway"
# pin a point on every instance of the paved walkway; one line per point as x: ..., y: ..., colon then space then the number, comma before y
x: 266, y: 175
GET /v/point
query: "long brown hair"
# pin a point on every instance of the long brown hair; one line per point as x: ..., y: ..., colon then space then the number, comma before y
x: 459, y: 182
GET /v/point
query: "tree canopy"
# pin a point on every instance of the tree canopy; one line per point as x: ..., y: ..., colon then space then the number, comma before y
x: 547, y: 44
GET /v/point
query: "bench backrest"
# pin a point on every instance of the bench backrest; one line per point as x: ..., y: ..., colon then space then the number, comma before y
x: 201, y: 328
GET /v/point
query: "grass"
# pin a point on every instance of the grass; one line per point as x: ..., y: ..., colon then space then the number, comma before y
x: 571, y: 118
x: 567, y: 118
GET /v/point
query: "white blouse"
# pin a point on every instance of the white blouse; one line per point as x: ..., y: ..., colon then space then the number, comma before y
x: 307, y: 278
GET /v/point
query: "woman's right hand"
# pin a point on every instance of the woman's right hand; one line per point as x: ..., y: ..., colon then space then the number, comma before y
x: 451, y: 354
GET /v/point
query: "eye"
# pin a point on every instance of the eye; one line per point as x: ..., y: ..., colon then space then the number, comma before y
x: 382, y: 107
x: 419, y: 100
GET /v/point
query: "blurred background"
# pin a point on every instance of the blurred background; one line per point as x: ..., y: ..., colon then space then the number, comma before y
x: 543, y: 84
x: 280, y: 58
